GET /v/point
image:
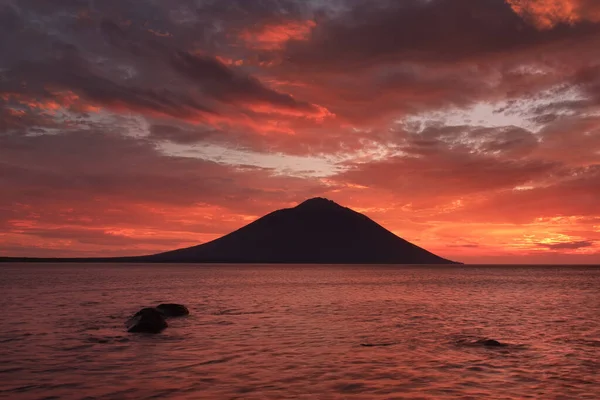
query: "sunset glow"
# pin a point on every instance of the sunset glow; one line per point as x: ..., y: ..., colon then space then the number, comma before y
x: 468, y: 127
x: 548, y: 13
x: 274, y: 36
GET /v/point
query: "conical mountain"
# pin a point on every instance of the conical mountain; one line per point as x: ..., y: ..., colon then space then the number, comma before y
x: 317, y: 231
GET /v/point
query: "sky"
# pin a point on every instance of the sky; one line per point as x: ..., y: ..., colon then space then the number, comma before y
x: 468, y: 127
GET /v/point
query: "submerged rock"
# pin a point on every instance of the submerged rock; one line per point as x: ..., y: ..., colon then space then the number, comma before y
x: 480, y: 342
x: 147, y: 320
x: 173, y: 310
x: 490, y: 343
x: 377, y: 344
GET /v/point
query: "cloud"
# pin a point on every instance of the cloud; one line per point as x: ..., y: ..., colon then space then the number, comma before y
x: 572, y: 194
x: 87, y: 164
x: 224, y: 84
x: 372, y: 64
x: 443, y: 163
x: 181, y: 135
x: 192, y: 86
x: 465, y: 246
x: 276, y: 36
x: 546, y: 14
x: 441, y: 31
x: 569, y: 246
x: 98, y: 182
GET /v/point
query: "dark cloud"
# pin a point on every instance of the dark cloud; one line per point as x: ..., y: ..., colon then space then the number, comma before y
x: 10, y: 20
x: 465, y: 246
x: 369, y: 62
x: 98, y: 237
x: 224, y: 84
x: 428, y: 31
x: 569, y: 246
x: 147, y: 75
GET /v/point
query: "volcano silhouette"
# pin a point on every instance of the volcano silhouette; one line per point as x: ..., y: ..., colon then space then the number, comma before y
x: 317, y: 231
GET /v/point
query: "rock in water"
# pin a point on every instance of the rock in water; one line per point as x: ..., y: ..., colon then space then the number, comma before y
x: 491, y: 343
x: 173, y: 310
x: 147, y: 320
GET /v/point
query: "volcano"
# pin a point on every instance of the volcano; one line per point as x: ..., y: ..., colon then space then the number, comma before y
x: 317, y: 231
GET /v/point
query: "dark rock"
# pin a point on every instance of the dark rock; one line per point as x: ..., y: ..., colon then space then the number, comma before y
x: 173, y: 310
x: 474, y: 342
x: 491, y: 343
x: 147, y: 320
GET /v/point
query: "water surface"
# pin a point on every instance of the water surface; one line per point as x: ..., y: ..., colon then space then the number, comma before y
x: 306, y: 332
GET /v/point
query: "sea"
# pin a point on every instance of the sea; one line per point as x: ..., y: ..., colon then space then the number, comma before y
x: 301, y: 332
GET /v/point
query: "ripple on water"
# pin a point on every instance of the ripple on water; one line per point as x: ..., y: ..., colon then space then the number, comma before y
x: 377, y: 344
x: 237, y: 312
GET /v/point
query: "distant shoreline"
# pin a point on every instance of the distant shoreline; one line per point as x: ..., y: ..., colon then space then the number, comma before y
x: 316, y: 231
x: 131, y: 261
x: 143, y: 260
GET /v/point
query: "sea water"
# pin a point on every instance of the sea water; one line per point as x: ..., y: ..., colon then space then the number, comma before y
x: 301, y: 332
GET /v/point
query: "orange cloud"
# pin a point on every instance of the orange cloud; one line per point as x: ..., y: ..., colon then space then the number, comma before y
x: 60, y: 99
x: 546, y: 14
x: 229, y: 61
x: 274, y: 36
x: 319, y: 115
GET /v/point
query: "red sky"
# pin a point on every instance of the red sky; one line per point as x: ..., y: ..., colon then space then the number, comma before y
x: 469, y: 127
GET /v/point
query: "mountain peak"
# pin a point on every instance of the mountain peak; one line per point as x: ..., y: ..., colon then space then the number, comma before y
x: 318, y: 203
x: 317, y: 231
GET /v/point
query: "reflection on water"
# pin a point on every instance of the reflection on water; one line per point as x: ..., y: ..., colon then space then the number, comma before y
x: 259, y: 332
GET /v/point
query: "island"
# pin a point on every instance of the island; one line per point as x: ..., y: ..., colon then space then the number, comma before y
x: 317, y: 231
